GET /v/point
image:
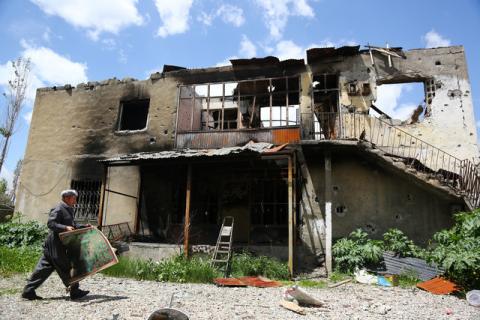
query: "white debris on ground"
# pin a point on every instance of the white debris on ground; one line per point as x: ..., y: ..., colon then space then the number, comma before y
x: 115, y: 298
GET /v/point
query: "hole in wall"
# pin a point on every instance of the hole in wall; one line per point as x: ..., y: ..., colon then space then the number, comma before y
x: 409, y: 197
x: 341, y: 211
x: 370, y: 228
x: 438, y: 63
x: 401, y: 100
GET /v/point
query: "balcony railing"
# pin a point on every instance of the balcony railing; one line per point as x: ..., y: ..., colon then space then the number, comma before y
x: 461, y: 175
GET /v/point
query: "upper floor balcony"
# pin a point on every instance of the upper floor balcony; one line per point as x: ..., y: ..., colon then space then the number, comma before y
x: 229, y: 114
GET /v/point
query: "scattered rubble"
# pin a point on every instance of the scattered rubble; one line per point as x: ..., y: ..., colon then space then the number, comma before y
x: 115, y: 298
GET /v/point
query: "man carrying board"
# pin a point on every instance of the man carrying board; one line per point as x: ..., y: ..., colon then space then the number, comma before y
x: 54, y: 253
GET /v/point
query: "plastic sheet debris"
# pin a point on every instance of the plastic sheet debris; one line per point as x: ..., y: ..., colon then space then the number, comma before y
x: 438, y: 285
x: 362, y: 276
x: 301, y: 296
x: 382, y: 281
x: 473, y: 298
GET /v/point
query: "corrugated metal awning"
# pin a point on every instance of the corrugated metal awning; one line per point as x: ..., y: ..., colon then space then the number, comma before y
x: 251, y: 147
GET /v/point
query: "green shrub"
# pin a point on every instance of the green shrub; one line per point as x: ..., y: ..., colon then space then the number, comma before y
x: 16, y: 233
x: 457, y: 250
x: 18, y: 260
x: 356, y: 251
x: 396, y: 241
x: 245, y: 264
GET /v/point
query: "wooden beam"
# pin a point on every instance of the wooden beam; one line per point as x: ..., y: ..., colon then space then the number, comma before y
x: 328, y: 211
x: 102, y: 197
x: 186, y: 230
x: 290, y: 216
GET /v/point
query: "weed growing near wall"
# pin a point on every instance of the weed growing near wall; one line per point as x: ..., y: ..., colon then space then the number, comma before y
x: 18, y: 260
x: 245, y: 264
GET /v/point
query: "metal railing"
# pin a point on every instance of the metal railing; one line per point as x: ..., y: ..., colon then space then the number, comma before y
x: 460, y: 175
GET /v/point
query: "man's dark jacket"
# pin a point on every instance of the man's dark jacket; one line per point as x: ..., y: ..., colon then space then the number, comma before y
x: 59, y: 218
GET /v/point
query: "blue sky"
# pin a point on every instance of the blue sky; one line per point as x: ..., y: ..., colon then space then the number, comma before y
x: 73, y: 41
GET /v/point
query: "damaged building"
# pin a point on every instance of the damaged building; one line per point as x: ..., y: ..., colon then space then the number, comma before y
x: 297, y: 152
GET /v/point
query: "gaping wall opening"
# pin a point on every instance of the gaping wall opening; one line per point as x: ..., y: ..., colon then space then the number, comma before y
x: 403, y: 101
x: 133, y: 115
x: 325, y: 94
x: 245, y: 104
x: 253, y: 192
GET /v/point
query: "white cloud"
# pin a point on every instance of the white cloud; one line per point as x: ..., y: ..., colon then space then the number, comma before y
x: 228, y: 13
x: 122, y: 57
x: 277, y: 12
x: 434, y: 40
x: 287, y: 49
x: 28, y: 116
x: 174, y: 15
x: 96, y: 16
x: 48, y: 68
x: 52, y: 68
x: 231, y: 15
x: 388, y: 100
x: 247, y: 48
x: 226, y: 62
x: 46, y: 35
x: 206, y: 18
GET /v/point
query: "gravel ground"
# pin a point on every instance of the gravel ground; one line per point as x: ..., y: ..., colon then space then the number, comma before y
x: 114, y: 298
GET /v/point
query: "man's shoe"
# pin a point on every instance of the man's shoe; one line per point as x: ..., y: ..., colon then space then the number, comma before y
x: 30, y: 295
x: 77, y: 294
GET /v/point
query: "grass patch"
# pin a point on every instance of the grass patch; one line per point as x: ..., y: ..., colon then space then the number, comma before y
x: 197, y: 269
x: 10, y: 291
x: 18, y: 260
x: 408, y: 279
x: 338, y: 276
x: 312, y: 284
x: 245, y: 264
x: 176, y: 269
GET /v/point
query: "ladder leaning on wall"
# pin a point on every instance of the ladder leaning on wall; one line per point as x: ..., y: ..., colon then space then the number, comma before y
x: 223, y: 250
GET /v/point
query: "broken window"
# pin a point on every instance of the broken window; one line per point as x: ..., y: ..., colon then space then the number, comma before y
x: 133, y: 115
x: 325, y: 104
x: 403, y: 101
x: 235, y: 105
x: 88, y: 201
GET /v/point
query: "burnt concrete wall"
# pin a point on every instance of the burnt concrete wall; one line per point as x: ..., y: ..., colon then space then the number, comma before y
x: 71, y: 128
x: 371, y: 197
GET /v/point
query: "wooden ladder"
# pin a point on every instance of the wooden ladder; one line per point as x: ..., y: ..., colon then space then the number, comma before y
x: 223, y: 249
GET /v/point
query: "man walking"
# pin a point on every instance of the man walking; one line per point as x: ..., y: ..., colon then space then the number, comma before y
x: 54, y: 253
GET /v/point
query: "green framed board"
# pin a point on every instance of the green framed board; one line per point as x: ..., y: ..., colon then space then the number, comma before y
x: 89, y: 251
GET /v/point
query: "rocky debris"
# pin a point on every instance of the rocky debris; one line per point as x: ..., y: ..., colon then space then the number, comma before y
x: 116, y: 298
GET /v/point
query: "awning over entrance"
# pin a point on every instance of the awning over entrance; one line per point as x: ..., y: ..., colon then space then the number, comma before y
x: 251, y: 147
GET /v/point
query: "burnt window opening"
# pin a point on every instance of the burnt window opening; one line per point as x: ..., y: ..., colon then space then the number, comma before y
x: 133, y: 115
x: 407, y: 101
x: 236, y: 105
x: 325, y: 90
x: 88, y: 200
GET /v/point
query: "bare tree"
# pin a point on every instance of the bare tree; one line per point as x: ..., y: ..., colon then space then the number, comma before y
x: 15, y: 97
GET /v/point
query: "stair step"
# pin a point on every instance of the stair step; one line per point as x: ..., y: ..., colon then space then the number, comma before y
x: 218, y: 260
x: 223, y: 251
